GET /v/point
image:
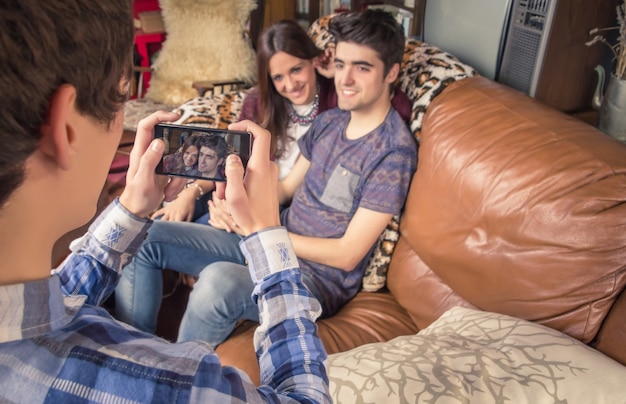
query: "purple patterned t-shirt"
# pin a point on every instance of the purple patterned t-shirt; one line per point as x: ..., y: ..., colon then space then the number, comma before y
x: 372, y: 172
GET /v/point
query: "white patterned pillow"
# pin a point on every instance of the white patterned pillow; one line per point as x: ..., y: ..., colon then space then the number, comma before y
x: 471, y: 356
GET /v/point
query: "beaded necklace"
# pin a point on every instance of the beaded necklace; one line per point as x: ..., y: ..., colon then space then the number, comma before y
x: 306, y: 119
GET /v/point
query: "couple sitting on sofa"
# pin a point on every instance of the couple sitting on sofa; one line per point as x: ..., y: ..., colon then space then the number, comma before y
x: 351, y: 179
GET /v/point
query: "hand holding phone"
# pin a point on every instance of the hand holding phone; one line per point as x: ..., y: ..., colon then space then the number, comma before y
x: 252, y: 200
x: 200, y: 153
x: 144, y: 191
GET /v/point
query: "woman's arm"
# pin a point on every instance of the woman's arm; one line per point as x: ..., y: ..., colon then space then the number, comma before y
x: 182, y: 208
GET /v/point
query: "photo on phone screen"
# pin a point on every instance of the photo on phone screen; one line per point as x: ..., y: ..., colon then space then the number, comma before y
x: 200, y: 153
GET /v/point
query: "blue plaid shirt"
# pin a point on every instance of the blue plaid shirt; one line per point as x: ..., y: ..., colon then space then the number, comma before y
x: 57, y: 346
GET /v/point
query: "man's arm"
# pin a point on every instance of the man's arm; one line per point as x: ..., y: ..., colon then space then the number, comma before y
x: 287, y: 335
x: 291, y: 355
x: 98, y: 257
x: 95, y: 264
x: 287, y: 187
x: 347, y: 251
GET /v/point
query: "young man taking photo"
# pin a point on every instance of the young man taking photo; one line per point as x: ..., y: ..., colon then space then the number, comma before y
x: 64, y: 72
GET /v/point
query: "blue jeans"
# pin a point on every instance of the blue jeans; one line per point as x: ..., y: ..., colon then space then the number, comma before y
x: 181, y: 246
x: 220, y: 297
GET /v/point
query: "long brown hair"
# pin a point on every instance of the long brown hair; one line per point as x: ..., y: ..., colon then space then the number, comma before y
x: 283, y: 36
x: 191, y: 140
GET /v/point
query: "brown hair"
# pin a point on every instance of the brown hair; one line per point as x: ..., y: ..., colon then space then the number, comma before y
x: 374, y: 28
x: 213, y: 142
x: 45, y: 44
x: 283, y: 36
x: 190, y: 141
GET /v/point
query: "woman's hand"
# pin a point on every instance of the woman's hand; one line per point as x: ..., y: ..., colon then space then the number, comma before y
x: 325, y: 63
x: 180, y: 209
x: 220, y: 218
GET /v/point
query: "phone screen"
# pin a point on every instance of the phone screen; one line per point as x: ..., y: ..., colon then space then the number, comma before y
x: 200, y: 153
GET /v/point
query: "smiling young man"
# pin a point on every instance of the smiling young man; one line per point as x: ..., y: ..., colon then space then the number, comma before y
x: 64, y: 69
x: 356, y: 164
x: 211, y: 156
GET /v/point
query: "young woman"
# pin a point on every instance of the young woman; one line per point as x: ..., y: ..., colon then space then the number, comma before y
x: 293, y: 88
x: 184, y: 161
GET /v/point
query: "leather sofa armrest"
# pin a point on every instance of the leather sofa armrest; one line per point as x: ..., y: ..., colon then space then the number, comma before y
x: 612, y: 335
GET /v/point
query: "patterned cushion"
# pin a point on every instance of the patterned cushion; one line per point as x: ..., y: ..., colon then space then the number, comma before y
x: 217, y: 111
x: 425, y: 72
x: 479, y: 357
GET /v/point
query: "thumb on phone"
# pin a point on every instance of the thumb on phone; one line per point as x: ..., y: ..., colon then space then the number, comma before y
x: 144, y: 190
x: 235, y: 191
x: 234, y: 175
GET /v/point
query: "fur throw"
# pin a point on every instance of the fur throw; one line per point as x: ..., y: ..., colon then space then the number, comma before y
x: 206, y: 40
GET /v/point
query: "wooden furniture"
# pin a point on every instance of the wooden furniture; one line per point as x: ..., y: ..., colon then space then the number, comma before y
x: 414, y: 9
x: 276, y: 10
x: 567, y: 77
x: 146, y: 43
x: 589, y: 117
x: 306, y: 11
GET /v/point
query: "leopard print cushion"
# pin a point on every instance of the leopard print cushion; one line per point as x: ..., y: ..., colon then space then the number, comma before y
x: 216, y: 111
x: 425, y: 72
x: 318, y: 31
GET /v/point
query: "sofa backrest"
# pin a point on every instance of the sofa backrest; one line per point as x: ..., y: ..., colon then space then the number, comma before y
x: 515, y: 208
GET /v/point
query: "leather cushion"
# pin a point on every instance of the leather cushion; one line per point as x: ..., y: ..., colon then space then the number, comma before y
x: 517, y: 209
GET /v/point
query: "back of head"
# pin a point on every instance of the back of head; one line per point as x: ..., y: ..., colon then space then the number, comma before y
x: 45, y: 44
x: 374, y: 28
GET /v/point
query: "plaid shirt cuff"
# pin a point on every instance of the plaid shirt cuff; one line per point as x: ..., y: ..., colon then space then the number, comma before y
x: 268, y: 251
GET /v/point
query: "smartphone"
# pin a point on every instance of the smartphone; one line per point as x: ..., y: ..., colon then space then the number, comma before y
x: 200, y: 153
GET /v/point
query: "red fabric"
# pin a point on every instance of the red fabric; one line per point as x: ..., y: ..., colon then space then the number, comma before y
x: 117, y: 173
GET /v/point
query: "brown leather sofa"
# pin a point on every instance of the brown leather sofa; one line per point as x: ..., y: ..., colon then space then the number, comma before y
x: 515, y: 208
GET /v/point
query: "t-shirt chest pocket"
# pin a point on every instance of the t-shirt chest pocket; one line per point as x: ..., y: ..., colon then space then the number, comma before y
x: 340, y: 189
